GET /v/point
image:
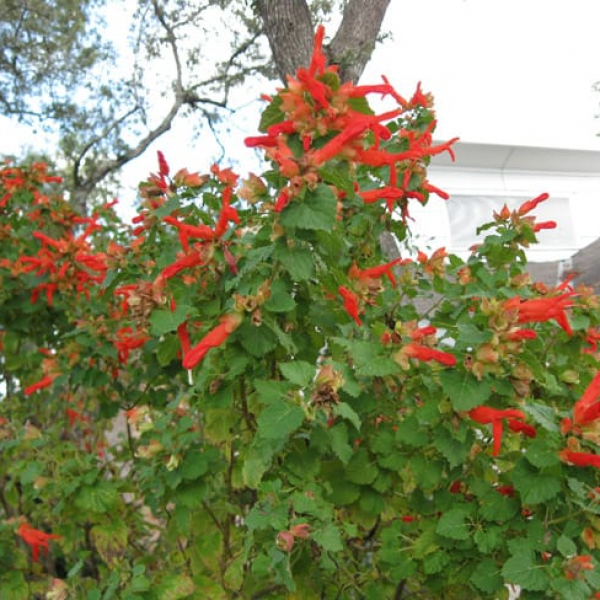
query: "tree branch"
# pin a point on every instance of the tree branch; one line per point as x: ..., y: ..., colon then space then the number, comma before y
x: 355, y: 39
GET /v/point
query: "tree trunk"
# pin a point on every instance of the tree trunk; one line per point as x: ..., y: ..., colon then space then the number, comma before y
x: 289, y: 29
x: 354, y: 41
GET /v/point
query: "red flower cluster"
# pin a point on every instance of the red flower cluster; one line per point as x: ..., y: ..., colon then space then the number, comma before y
x: 496, y: 417
x: 67, y: 263
x: 36, y: 539
x: 315, y: 105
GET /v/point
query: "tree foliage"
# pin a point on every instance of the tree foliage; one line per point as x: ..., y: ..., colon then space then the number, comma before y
x: 241, y: 397
x: 109, y: 102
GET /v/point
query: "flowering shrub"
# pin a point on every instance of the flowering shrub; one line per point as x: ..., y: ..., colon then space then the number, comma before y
x: 241, y: 397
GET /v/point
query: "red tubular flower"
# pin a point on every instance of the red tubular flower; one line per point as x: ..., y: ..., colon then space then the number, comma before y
x: 580, y: 459
x: 587, y: 408
x: 36, y: 539
x: 186, y: 262
x: 73, y: 416
x: 163, y: 167
x: 260, y: 140
x: 350, y: 303
x: 520, y: 427
x: 318, y: 60
x: 576, y: 564
x: 592, y: 337
x: 385, y: 193
x: 214, y: 338
x: 128, y: 340
x: 46, y: 240
x: 184, y: 338
x: 539, y: 310
x: 544, y: 225
x: 506, y: 490
x: 375, y: 272
x: 282, y: 200
x: 186, y: 231
x: 521, y: 334
x: 424, y: 353
x: 228, y: 213
x: 487, y: 415
x: 432, y: 189
x: 44, y: 382
x: 422, y: 332
x: 531, y: 204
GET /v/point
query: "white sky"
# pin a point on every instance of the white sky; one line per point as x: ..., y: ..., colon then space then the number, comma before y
x: 516, y: 72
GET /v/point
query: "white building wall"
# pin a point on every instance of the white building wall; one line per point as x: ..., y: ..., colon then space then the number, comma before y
x: 499, y: 174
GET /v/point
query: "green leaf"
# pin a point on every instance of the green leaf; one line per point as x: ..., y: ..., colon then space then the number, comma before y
x: 470, y: 335
x: 453, y: 450
x: 271, y: 392
x: 371, y: 502
x: 110, y: 540
x: 410, y: 433
x: 278, y: 420
x: 566, y: 546
x: 14, y: 586
x: 99, y: 498
x: 298, y: 262
x: 339, y: 442
x: 164, y: 321
x: 299, y: 372
x: 497, y: 507
x: 427, y: 472
x: 543, y: 415
x: 343, y: 492
x: 486, y: 577
x: 453, y: 524
x: 168, y: 207
x: 194, y: 465
x: 271, y: 115
x: 345, y: 411
x: 436, y: 562
x: 257, y: 341
x: 426, y: 544
x: 377, y: 368
x: 488, y: 539
x: 253, y: 258
x: 328, y: 538
x: 361, y: 469
x: 280, y: 299
x: 540, y: 454
x: 175, y: 587
x: 167, y: 350
x: 533, y: 486
x: 317, y: 210
x: 253, y: 470
x: 464, y: 390
x: 338, y: 176
x: 234, y: 574
x: 520, y: 569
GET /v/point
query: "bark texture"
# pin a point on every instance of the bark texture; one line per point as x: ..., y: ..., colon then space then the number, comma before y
x: 289, y: 29
x: 354, y: 41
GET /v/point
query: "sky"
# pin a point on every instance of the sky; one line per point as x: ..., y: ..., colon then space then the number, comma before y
x: 516, y: 72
